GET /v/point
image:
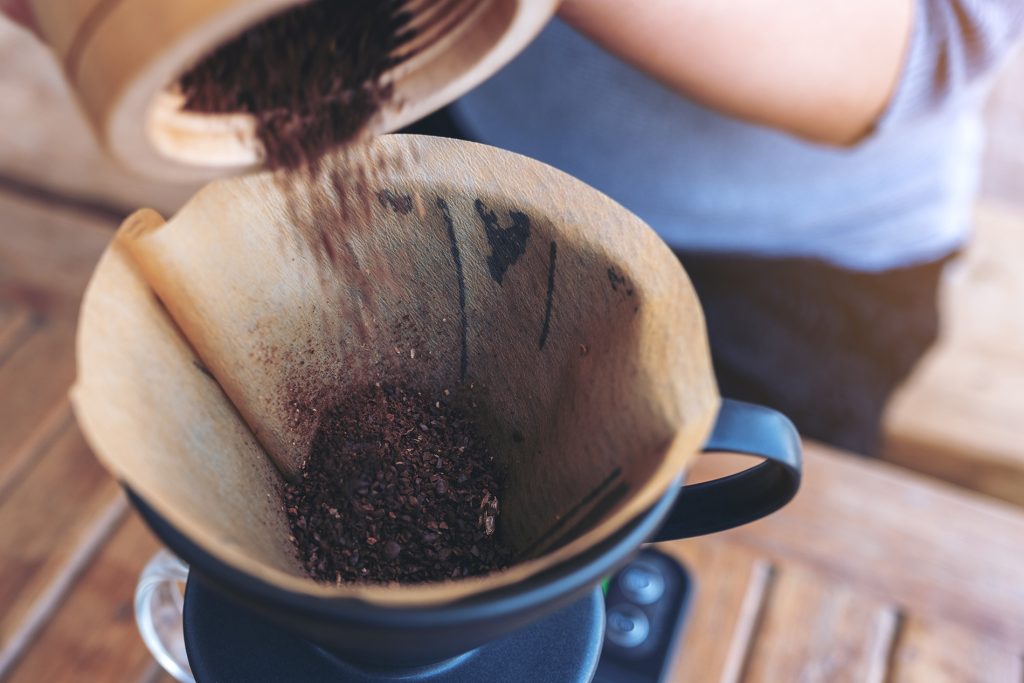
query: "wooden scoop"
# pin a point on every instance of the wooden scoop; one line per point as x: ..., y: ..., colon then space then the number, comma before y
x: 122, y: 58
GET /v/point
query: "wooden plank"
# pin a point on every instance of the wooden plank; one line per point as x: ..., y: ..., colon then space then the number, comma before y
x: 47, y: 254
x: 930, y: 548
x: 960, y: 421
x: 982, y: 299
x: 816, y: 630
x: 729, y: 588
x: 46, y: 257
x: 52, y: 146
x: 15, y: 325
x: 939, y: 652
x: 43, y: 522
x: 54, y: 592
x: 958, y: 416
x: 93, y: 636
x: 33, y: 403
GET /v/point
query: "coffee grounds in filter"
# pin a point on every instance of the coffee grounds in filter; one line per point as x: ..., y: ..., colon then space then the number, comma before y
x: 398, y: 488
x: 312, y: 76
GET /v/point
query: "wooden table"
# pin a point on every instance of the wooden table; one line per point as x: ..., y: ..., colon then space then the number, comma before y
x: 872, y: 574
x: 959, y: 416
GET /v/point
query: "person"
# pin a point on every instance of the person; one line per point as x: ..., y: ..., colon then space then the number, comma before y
x: 813, y: 165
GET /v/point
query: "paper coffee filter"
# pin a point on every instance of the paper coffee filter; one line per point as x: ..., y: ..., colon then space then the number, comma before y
x: 209, y: 346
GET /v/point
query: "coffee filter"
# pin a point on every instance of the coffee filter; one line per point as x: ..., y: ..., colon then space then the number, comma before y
x: 209, y: 345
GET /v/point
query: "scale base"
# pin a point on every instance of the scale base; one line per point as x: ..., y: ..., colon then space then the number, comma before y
x: 226, y: 643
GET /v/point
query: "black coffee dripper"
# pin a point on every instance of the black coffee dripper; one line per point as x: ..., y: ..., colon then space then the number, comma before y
x: 208, y: 344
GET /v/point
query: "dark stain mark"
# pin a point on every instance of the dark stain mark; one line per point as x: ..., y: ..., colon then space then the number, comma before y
x: 517, y: 436
x: 551, y: 296
x: 507, y: 244
x: 457, y: 258
x: 564, y: 519
x: 399, y: 203
x: 203, y: 369
x: 618, y: 280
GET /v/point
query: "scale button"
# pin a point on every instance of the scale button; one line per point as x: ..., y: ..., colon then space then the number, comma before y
x: 627, y: 626
x: 642, y: 583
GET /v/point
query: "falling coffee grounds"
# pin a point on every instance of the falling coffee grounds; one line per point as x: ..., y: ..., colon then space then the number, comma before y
x: 400, y: 488
x: 311, y: 76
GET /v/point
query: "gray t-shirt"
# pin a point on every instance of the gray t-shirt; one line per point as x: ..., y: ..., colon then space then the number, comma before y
x: 705, y: 181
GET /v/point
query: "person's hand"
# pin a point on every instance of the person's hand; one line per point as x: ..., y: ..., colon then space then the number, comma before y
x: 20, y: 12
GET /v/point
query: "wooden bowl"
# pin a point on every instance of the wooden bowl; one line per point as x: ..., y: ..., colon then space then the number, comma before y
x: 122, y: 56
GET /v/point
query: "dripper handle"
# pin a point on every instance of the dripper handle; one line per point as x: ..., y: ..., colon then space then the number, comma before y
x: 746, y: 496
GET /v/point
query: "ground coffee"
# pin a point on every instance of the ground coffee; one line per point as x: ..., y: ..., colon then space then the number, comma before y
x: 397, y: 488
x: 311, y: 76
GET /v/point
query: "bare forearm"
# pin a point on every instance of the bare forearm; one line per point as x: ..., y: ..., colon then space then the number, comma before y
x: 820, y: 69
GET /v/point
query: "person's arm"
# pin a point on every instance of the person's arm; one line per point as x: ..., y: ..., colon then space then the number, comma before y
x: 820, y: 69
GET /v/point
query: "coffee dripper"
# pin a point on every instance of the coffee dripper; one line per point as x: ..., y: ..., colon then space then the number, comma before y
x: 586, y: 350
